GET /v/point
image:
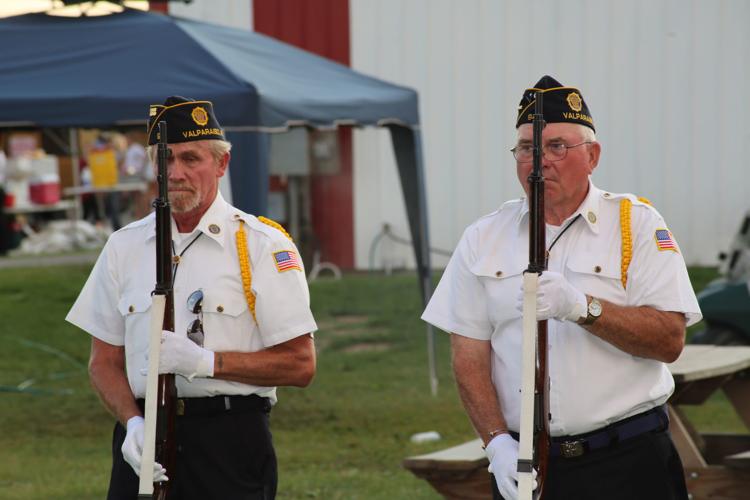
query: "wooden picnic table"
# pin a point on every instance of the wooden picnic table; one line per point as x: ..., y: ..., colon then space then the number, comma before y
x: 717, y: 466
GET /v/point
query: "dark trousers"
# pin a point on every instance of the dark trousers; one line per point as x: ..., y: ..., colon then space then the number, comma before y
x: 228, y: 455
x: 646, y: 467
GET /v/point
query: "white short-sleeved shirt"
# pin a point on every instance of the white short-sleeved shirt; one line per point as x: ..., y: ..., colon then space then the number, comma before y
x: 593, y: 383
x: 115, y: 303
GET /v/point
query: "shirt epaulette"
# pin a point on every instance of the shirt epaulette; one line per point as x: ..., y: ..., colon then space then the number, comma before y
x: 258, y: 224
x: 517, y: 203
x: 275, y: 225
x: 636, y: 200
x: 508, y: 205
x: 149, y: 219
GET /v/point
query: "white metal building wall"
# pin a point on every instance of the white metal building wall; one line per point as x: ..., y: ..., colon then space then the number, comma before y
x: 234, y: 13
x: 666, y: 82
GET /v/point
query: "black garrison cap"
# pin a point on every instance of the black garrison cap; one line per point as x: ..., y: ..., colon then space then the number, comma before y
x: 561, y: 104
x: 187, y: 120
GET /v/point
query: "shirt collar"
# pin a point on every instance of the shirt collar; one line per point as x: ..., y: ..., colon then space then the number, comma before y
x: 213, y: 223
x: 589, y: 209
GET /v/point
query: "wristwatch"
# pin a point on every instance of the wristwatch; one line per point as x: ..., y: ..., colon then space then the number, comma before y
x: 593, y: 311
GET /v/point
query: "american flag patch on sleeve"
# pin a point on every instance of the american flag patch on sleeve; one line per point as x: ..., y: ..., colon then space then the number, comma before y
x: 665, y: 241
x: 286, y: 260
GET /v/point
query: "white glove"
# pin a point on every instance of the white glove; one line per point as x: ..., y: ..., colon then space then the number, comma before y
x: 557, y: 298
x: 184, y: 357
x: 132, y: 449
x: 502, y: 453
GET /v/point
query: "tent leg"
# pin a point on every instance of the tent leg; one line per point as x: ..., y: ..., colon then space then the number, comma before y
x: 74, y: 152
x: 431, y: 362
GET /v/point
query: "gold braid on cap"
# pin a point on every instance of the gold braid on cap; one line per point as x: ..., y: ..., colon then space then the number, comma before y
x: 245, y: 271
x: 627, y: 237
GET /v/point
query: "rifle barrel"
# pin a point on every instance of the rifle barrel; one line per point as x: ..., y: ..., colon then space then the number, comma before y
x: 166, y: 404
x: 538, y: 264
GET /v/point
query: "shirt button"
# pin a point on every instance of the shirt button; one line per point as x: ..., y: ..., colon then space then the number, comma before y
x: 499, y: 273
x: 598, y: 269
x: 220, y: 309
x: 131, y: 309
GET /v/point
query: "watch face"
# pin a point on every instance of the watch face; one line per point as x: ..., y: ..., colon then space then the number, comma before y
x: 595, y: 308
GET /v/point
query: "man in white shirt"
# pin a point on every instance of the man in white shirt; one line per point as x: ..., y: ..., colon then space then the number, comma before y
x: 241, y: 295
x: 618, y: 299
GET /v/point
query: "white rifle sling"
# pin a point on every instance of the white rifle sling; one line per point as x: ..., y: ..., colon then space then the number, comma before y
x: 146, y: 482
x: 528, y: 374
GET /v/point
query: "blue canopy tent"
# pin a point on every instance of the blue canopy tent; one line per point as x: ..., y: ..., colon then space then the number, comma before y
x: 104, y: 71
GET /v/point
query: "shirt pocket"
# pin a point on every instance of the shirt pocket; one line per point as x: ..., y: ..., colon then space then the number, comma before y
x: 135, y: 307
x: 501, y: 276
x: 597, y: 275
x: 227, y: 322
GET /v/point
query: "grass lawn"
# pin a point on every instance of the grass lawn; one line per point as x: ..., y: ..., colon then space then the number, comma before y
x: 342, y: 438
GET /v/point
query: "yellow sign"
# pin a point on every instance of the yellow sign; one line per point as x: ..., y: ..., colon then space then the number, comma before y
x: 103, y: 165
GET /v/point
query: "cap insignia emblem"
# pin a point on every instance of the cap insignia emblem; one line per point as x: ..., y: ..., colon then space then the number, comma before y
x: 574, y: 101
x: 199, y: 116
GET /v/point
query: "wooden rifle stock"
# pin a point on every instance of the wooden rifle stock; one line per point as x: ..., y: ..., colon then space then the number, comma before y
x: 538, y: 264
x: 166, y: 405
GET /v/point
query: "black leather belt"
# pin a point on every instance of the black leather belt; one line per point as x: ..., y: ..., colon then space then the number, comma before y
x: 219, y: 404
x: 652, y: 420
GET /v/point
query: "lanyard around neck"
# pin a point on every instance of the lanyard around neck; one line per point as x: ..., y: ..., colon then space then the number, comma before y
x: 562, y: 232
x: 176, y: 258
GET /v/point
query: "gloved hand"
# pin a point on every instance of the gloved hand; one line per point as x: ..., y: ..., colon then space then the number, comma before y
x: 132, y: 449
x: 502, y: 453
x: 556, y: 298
x: 184, y: 357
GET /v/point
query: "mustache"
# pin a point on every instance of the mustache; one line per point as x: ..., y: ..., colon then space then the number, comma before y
x: 174, y: 186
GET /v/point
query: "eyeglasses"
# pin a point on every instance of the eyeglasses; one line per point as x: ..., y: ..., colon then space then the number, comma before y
x: 195, y: 306
x: 554, y: 151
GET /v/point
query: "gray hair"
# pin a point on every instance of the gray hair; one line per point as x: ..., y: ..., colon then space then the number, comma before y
x: 587, y: 134
x: 217, y: 148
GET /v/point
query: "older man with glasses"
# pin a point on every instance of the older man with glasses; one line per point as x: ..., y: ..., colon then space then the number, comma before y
x: 617, y: 298
x: 243, y: 324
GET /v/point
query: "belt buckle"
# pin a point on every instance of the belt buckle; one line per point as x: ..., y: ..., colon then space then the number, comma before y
x: 572, y: 449
x: 180, y: 407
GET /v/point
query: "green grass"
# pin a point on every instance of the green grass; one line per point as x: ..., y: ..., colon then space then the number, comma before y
x: 342, y: 438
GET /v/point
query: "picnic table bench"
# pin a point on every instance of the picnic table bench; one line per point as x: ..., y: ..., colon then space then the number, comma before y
x: 717, y: 466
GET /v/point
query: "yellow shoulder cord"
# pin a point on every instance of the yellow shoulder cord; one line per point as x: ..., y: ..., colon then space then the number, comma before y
x: 627, y: 240
x: 627, y: 237
x: 274, y: 224
x: 245, y: 271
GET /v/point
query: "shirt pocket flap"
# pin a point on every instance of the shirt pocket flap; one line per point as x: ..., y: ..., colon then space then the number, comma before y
x: 499, y: 266
x: 221, y: 302
x: 134, y: 302
x: 606, y: 266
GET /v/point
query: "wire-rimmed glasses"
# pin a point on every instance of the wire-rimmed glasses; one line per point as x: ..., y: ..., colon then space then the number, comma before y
x: 554, y: 151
